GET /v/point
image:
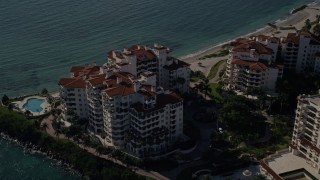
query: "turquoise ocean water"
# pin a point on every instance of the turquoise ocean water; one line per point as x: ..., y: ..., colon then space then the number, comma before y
x: 18, y: 164
x: 41, y: 39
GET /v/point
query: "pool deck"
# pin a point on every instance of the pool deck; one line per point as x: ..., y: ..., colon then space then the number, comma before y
x: 285, y: 161
x: 45, y: 105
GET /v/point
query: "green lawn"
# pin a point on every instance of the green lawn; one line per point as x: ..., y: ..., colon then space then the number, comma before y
x: 222, y: 52
x: 214, y: 69
x: 194, y: 78
x: 213, y: 93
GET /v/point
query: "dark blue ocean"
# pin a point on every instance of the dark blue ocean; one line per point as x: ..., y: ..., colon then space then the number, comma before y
x: 41, y: 39
x: 19, y: 164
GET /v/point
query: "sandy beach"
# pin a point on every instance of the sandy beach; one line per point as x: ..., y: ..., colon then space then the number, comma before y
x: 295, y: 20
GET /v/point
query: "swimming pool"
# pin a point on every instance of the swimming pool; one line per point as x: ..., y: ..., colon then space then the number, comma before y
x: 34, y: 105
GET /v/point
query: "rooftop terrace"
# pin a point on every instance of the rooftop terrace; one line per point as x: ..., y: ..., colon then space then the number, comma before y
x: 285, y: 161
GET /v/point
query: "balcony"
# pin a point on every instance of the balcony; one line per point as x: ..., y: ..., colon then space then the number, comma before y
x: 314, y: 140
x: 309, y: 128
x: 315, y: 133
x: 308, y: 135
x: 312, y: 115
x: 310, y: 122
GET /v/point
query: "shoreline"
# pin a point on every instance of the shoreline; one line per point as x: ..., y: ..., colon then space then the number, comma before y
x: 292, y: 20
x: 193, y: 57
x: 31, y: 149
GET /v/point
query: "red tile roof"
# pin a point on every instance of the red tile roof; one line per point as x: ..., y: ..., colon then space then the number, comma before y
x: 110, y: 54
x: 86, y: 70
x: 72, y: 83
x: 139, y: 51
x: 80, y: 75
x: 264, y: 38
x: 147, y: 74
x: 304, y: 33
x: 77, y: 69
x: 246, y: 46
x: 124, y: 75
x: 293, y: 38
x: 143, y: 54
x: 135, y: 47
x: 256, y: 65
x: 147, y: 90
x: 121, y: 89
x: 146, y: 93
x: 239, y: 41
x: 170, y: 98
x: 98, y: 79
x: 115, y: 54
x: 161, y: 101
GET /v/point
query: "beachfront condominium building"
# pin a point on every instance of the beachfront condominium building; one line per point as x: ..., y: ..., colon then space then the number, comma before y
x: 124, y: 102
x: 302, y: 159
x: 73, y: 91
x: 300, y: 51
x: 172, y: 73
x: 252, y: 63
x: 139, y: 116
x: 305, y: 139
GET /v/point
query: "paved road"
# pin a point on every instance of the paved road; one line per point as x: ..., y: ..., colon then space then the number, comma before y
x: 51, y: 132
x: 206, y: 130
x: 203, y: 144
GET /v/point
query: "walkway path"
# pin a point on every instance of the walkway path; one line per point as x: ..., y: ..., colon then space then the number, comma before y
x: 216, y: 78
x: 203, y: 143
x: 206, y: 64
x: 138, y: 170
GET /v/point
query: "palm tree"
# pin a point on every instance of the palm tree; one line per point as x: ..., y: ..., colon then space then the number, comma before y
x: 206, y: 88
x: 10, y: 107
x: 5, y: 100
x: 197, y: 88
x: 44, y: 91
x: 68, y: 134
x: 44, y: 126
x: 27, y: 113
x: 307, y: 25
x: 282, y: 97
x: 37, y: 123
x: 316, y: 29
x: 205, y: 80
x: 57, y: 132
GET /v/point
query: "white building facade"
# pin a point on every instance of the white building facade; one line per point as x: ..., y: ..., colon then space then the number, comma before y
x: 73, y: 91
x: 299, y: 51
x: 124, y: 102
x: 138, y: 59
x: 306, y: 140
x: 251, y: 64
